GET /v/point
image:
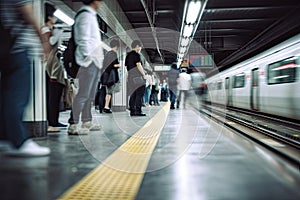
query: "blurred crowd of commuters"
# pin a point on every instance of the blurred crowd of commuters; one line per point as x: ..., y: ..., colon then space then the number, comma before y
x: 97, y: 72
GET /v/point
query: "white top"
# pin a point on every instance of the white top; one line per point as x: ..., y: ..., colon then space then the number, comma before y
x: 55, y: 35
x: 88, y: 39
x: 185, y: 81
x: 197, y: 79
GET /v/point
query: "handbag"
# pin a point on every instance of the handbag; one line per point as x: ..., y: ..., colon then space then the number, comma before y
x: 109, y: 78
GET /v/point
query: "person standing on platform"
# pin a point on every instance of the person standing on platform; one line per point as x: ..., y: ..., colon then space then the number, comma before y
x: 15, y: 81
x: 173, y: 76
x: 148, y: 88
x: 136, y: 79
x: 55, y: 77
x: 89, y: 56
x: 184, y: 85
x: 111, y: 65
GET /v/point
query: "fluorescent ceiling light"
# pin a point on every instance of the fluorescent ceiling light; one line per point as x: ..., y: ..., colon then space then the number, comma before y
x: 185, y: 42
x: 182, y: 50
x: 63, y: 17
x: 193, y: 12
x: 188, y: 29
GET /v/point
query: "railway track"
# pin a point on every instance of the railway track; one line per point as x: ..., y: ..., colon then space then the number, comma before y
x: 278, y: 135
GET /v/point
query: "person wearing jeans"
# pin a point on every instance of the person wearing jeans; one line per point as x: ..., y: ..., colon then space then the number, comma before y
x: 15, y: 79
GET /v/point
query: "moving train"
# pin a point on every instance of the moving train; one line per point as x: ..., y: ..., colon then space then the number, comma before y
x: 268, y: 82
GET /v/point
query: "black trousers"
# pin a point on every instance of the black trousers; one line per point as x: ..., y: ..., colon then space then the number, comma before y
x: 135, y: 100
x: 54, y: 94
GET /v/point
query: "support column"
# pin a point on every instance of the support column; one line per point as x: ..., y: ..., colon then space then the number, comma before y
x: 119, y: 99
x: 35, y: 116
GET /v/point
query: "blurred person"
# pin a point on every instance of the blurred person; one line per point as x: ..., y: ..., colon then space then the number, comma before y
x: 15, y: 82
x: 55, y: 77
x: 89, y: 56
x: 147, y: 89
x: 111, y: 65
x: 136, y: 79
x: 164, y: 91
x: 173, y: 76
x: 184, y: 85
x: 198, y: 81
x: 154, y: 91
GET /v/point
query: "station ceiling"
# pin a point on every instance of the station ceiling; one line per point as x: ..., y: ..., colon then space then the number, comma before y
x: 231, y: 30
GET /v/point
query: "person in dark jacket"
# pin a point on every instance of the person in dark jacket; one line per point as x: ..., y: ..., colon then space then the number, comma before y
x: 110, y: 75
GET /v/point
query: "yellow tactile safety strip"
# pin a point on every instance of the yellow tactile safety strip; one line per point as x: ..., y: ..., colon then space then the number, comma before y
x: 120, y: 175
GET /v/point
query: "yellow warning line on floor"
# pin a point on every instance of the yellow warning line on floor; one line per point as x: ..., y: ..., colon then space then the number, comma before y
x: 120, y: 175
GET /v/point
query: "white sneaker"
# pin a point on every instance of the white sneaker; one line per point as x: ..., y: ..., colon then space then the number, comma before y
x: 73, y: 130
x: 29, y: 148
x: 91, y: 126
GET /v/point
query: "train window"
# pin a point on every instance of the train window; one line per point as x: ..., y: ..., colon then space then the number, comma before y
x: 227, y: 83
x: 283, y: 71
x: 219, y: 85
x: 239, y: 81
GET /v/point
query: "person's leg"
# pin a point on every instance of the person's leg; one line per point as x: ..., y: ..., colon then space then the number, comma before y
x: 179, y: 99
x: 55, y: 93
x: 132, y: 99
x: 82, y: 95
x: 172, y: 99
x: 15, y: 90
x: 138, y: 100
x: 185, y: 96
x: 92, y: 73
x: 2, y: 130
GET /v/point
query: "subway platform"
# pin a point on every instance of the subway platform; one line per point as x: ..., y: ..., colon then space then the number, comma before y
x: 167, y: 155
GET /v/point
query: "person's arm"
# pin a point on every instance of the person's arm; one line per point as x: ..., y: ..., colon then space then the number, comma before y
x: 140, y: 68
x: 26, y: 11
x: 83, y: 31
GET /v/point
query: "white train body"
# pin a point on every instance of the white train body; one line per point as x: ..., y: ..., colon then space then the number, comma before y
x: 268, y: 82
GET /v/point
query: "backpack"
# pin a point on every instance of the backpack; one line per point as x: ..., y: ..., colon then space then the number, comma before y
x: 69, y: 60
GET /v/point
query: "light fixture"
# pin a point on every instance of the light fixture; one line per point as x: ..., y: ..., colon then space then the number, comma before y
x: 185, y: 42
x: 193, y: 12
x: 187, y: 31
x: 63, y: 17
x: 182, y: 50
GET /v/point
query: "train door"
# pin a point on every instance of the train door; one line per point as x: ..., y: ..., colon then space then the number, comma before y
x: 228, y: 92
x: 254, y: 93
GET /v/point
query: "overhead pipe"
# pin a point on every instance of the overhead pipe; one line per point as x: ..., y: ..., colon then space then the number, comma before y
x: 152, y: 29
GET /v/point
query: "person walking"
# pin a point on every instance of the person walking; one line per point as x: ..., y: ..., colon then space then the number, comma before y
x: 89, y: 56
x: 173, y: 76
x: 136, y: 79
x: 184, y: 85
x: 55, y: 77
x: 15, y: 81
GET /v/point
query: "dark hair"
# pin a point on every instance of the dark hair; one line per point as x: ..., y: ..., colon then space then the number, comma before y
x: 135, y: 43
x: 87, y: 2
x: 174, y: 66
x: 49, y: 11
x: 114, y: 43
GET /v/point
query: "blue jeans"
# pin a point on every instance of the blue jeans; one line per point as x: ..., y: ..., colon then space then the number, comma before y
x: 88, y: 78
x: 173, y: 93
x: 15, y: 88
x: 147, y: 94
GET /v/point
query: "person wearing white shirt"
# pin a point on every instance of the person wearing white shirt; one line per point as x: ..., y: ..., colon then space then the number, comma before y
x: 184, y: 85
x: 89, y: 56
